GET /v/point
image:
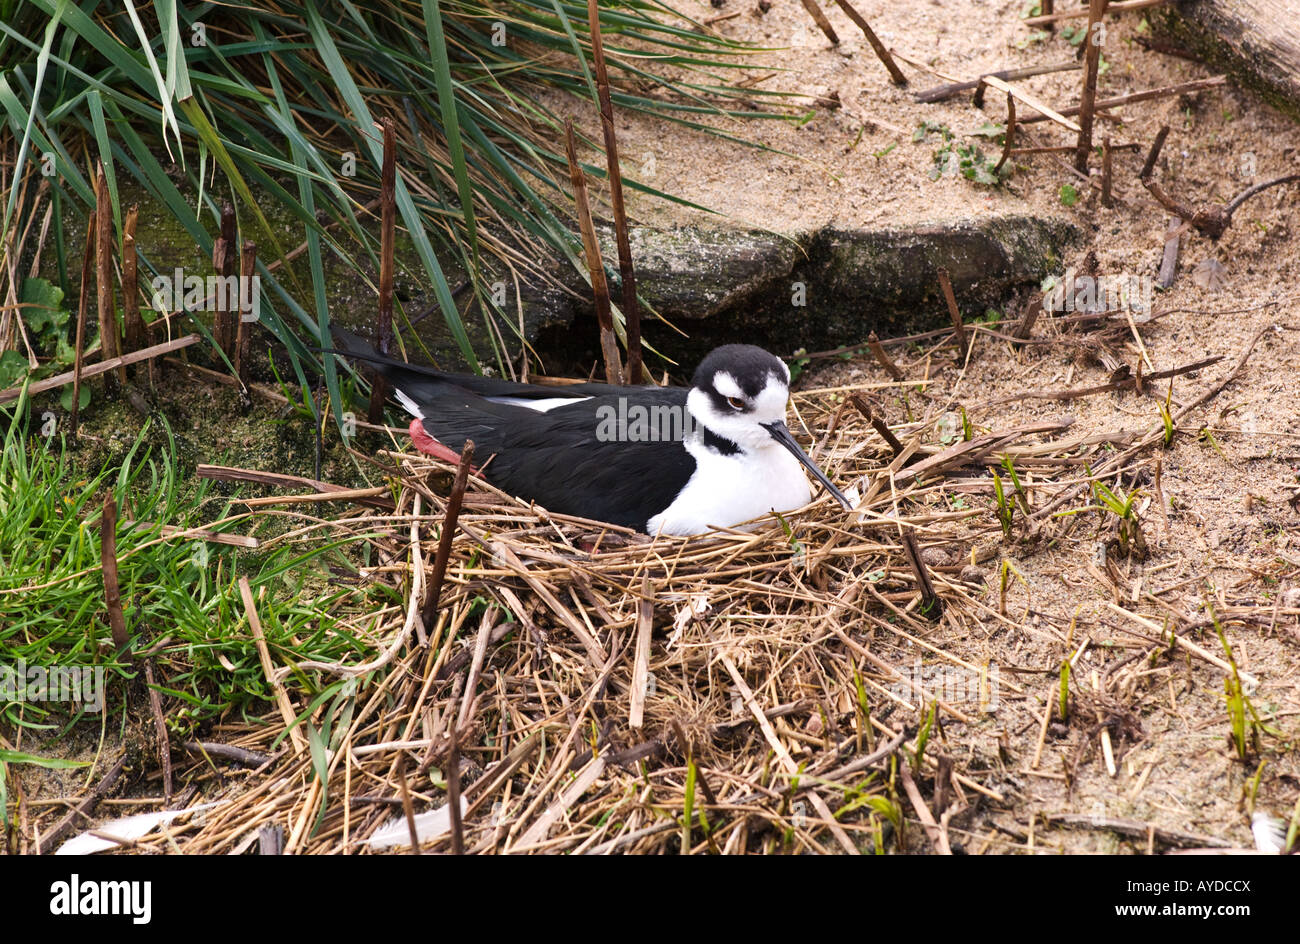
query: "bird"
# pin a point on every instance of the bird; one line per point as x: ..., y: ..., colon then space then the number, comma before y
x: 662, y: 460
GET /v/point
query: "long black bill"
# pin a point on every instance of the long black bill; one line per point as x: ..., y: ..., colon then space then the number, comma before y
x: 781, y: 433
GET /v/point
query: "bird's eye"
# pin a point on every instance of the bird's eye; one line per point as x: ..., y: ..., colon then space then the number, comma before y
x: 736, y: 403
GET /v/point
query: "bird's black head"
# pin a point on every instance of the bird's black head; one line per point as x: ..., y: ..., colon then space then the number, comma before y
x: 740, y: 393
x: 744, y: 380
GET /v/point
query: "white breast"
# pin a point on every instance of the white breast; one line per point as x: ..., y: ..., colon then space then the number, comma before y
x: 727, y: 490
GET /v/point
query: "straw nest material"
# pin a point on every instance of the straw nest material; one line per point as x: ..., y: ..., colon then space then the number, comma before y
x: 583, y: 688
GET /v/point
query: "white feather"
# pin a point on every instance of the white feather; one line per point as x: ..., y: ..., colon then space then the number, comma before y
x: 409, y: 405
x: 128, y: 829
x: 430, y: 825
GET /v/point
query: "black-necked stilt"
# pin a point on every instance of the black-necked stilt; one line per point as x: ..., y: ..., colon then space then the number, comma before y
x: 667, y: 460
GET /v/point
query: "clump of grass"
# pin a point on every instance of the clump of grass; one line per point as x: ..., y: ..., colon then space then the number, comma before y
x: 180, y: 595
x: 1243, y: 721
x: 1129, y: 538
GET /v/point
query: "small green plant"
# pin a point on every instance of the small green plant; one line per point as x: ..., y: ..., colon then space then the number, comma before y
x: 1243, y: 721
x: 969, y: 161
x: 1167, y: 417
x: 688, y: 806
x: 1006, y: 510
x: 1208, y: 437
x: 1069, y: 195
x: 964, y: 159
x: 1022, y: 497
x: 923, y: 737
x: 1129, y: 538
x: 798, y: 363
x: 926, y: 128
x: 1063, y: 692
x: 49, y: 326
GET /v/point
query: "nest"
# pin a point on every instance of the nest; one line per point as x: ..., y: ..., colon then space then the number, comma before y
x: 582, y: 688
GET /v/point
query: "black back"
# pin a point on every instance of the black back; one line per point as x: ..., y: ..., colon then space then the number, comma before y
x: 554, y: 458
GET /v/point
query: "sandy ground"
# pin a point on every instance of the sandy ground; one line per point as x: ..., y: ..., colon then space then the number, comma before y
x: 1226, y: 534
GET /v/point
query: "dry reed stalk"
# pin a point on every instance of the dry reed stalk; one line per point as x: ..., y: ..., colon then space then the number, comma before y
x: 596, y: 268
x: 387, y: 253
x: 627, y: 274
x: 110, y: 344
x: 108, y: 564
x: 80, y: 343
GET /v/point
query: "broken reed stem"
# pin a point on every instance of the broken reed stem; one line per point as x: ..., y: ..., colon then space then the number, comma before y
x: 81, y: 322
x: 108, y: 566
x: 79, y: 814
x: 69, y: 377
x: 1049, y: 19
x: 819, y: 18
x: 160, y: 730
x: 453, y: 789
x: 223, y: 261
x: 949, y: 89
x: 387, y: 251
x: 591, y: 248
x: 1135, y: 97
x: 109, y: 341
x: 1026, y: 325
x: 1106, y: 174
x: 408, y: 809
x: 1088, y: 101
x: 454, y: 501
x: 878, y: 351
x: 1045, y: 111
x: 131, y: 320
x: 641, y: 658
x: 895, y: 74
x: 1153, y: 155
x: 954, y: 313
x: 1169, y: 261
x: 247, y: 268
x: 1009, y: 138
x: 931, y: 605
x: 627, y: 274
x: 878, y: 424
x: 1211, y: 220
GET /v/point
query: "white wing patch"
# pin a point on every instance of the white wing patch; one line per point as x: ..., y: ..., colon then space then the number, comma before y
x: 544, y: 405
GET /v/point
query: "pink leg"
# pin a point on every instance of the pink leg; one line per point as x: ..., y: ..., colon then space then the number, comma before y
x: 431, y: 447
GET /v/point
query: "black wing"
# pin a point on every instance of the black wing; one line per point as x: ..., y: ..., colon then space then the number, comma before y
x: 566, y: 461
x: 563, y: 459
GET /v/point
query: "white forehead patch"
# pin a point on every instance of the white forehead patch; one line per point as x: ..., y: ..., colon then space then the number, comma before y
x: 726, y: 385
